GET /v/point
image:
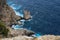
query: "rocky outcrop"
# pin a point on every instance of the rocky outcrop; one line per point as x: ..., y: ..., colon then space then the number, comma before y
x: 27, y: 15
x: 19, y: 38
x: 48, y: 37
x: 21, y: 31
x: 45, y: 37
x: 8, y: 16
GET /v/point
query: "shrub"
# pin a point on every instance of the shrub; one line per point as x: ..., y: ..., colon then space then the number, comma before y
x: 3, y: 30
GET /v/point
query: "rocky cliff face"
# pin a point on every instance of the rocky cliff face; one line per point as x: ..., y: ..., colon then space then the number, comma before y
x: 45, y: 37
x: 9, y: 17
x: 20, y: 32
x: 7, y: 14
x: 19, y: 38
x: 48, y: 37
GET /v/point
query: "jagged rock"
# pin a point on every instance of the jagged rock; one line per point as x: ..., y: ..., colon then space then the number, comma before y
x: 8, y: 16
x: 44, y: 37
x: 27, y: 15
x: 48, y: 37
x: 19, y: 38
x: 21, y: 32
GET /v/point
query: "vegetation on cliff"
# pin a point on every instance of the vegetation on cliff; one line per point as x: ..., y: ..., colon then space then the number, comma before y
x: 3, y: 30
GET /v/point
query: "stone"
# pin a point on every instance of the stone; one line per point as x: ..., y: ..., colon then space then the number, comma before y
x: 19, y: 38
x: 49, y: 37
x: 21, y: 31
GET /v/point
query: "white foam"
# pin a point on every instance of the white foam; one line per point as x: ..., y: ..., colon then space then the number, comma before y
x: 16, y: 26
x: 19, y: 14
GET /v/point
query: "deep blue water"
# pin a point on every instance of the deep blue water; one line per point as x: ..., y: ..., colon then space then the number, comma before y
x: 45, y: 14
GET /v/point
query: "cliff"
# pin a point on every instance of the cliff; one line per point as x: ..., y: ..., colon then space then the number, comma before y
x: 48, y: 37
x: 8, y: 17
x: 7, y: 14
x: 45, y: 37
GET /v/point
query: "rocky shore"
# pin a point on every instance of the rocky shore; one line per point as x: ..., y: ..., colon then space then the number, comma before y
x: 45, y: 37
x: 8, y: 16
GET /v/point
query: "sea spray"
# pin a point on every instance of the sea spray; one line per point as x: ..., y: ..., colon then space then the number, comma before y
x: 36, y: 35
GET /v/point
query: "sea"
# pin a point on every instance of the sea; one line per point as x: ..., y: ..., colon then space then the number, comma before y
x: 45, y: 15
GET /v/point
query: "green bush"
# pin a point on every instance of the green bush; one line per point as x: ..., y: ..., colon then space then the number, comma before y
x: 3, y: 30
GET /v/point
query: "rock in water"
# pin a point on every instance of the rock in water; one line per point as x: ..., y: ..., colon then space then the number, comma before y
x: 27, y: 15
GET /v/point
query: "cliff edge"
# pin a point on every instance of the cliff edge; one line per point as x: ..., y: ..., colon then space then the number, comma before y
x: 7, y: 14
x: 9, y: 18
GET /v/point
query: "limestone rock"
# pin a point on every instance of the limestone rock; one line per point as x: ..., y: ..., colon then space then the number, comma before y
x: 7, y: 14
x: 21, y: 32
x: 27, y: 15
x: 48, y: 37
x: 10, y: 16
x: 19, y: 38
x: 44, y: 37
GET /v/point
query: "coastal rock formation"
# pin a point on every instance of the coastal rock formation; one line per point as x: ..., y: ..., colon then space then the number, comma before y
x: 27, y: 15
x: 9, y: 18
x: 48, y: 37
x: 21, y: 31
x: 45, y: 37
x: 7, y: 14
x: 19, y: 38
